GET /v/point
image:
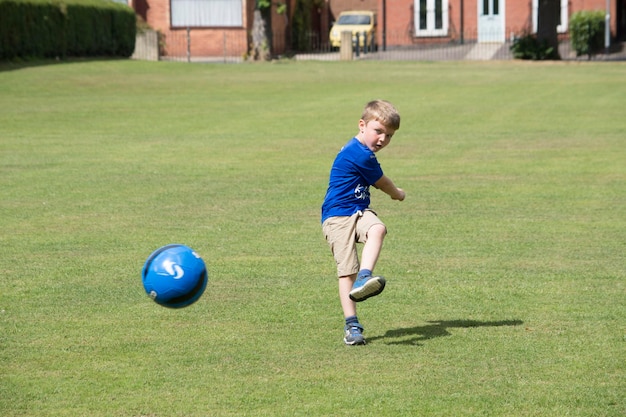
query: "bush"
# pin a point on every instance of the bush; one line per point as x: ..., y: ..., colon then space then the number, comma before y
x: 61, y: 28
x: 587, y: 32
x: 529, y: 47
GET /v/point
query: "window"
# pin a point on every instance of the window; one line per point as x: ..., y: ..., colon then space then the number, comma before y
x: 563, y: 18
x: 494, y: 12
x: 431, y: 17
x: 354, y: 19
x: 206, y: 13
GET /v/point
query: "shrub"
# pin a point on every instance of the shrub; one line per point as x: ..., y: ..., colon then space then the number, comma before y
x: 529, y: 47
x: 587, y: 32
x: 60, y: 28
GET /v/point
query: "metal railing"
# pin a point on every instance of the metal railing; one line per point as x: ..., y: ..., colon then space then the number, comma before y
x: 181, y: 46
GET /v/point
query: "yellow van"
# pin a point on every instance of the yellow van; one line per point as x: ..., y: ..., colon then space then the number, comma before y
x: 357, y: 21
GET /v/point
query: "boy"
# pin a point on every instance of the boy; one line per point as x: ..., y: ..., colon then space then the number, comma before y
x: 347, y: 218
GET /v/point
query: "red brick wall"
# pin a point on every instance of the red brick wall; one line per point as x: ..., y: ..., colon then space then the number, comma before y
x: 399, y: 16
x: 212, y: 41
x: 203, y: 42
x: 518, y: 16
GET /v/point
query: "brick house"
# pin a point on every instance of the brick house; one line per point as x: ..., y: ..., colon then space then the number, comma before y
x: 409, y: 22
x: 217, y: 27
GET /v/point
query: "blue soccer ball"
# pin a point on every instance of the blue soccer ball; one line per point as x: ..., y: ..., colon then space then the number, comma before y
x: 174, y: 276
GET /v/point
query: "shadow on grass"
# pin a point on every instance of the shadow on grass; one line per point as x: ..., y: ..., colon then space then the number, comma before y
x: 415, y: 335
x: 21, y: 63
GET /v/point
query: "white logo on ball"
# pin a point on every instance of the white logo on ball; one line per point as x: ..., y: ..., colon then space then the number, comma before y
x: 175, y: 270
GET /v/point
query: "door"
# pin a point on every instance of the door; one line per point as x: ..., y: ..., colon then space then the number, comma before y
x: 490, y: 20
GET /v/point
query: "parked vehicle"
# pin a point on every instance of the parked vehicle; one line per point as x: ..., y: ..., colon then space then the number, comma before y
x: 362, y: 22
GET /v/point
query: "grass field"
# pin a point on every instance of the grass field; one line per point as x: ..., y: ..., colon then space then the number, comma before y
x: 506, y: 263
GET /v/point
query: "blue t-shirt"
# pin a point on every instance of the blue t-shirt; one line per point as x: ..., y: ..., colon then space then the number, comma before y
x: 354, y: 170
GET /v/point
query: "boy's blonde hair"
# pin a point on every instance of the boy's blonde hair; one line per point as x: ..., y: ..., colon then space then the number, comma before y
x: 382, y: 111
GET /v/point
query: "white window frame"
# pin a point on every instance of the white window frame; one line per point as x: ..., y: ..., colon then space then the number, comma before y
x: 430, y: 19
x: 563, y: 27
x: 206, y: 13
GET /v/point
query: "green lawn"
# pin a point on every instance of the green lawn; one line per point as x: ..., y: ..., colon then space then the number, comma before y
x: 506, y: 263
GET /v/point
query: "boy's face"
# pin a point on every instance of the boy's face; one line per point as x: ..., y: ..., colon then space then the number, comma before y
x: 374, y: 134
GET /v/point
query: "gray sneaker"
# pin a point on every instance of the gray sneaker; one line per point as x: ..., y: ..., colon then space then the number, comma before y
x: 367, y: 287
x: 353, y: 335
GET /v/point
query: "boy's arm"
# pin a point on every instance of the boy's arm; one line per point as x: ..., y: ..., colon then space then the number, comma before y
x: 387, y: 186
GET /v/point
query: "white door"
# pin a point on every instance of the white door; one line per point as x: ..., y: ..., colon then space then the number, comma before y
x: 490, y: 20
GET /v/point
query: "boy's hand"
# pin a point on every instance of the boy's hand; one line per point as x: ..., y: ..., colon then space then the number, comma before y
x: 400, y: 194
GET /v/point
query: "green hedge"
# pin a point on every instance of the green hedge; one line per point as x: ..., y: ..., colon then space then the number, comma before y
x: 587, y: 32
x: 529, y: 47
x: 65, y: 28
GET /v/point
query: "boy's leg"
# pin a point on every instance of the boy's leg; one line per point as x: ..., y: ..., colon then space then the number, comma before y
x: 366, y: 285
x: 345, y: 286
x: 373, y: 246
x: 353, y: 330
x: 339, y: 233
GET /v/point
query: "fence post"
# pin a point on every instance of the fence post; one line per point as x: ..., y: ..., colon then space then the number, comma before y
x: 607, y: 27
x: 345, y: 50
x: 462, y: 22
x: 384, y: 19
x: 188, y: 45
x: 589, y: 43
x: 365, y: 43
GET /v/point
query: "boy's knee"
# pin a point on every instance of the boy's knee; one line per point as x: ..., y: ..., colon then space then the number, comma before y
x: 379, y: 230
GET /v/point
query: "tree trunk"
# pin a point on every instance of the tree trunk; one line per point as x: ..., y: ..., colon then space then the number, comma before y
x: 547, y: 20
x: 260, y: 48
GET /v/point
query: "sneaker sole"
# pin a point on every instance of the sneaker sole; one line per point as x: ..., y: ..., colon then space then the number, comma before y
x: 371, y: 288
x: 355, y: 343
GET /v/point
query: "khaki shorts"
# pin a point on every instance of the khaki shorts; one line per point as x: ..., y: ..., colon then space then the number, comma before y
x: 343, y: 233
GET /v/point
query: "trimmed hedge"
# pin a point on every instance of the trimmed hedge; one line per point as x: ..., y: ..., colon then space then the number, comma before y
x: 65, y: 28
x: 587, y: 32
